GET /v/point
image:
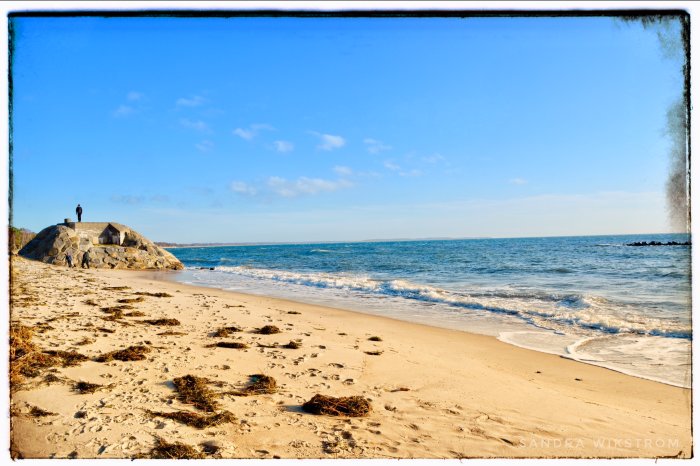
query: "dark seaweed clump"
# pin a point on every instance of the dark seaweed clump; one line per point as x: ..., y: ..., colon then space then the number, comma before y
x: 196, y: 420
x: 173, y: 451
x: 268, y: 330
x: 193, y: 390
x: 224, y: 332
x: 352, y: 406
x: 132, y: 353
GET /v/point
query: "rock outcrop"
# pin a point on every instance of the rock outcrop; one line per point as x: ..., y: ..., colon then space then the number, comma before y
x: 116, y: 247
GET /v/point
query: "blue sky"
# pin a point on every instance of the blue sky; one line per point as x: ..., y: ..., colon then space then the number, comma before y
x: 312, y: 129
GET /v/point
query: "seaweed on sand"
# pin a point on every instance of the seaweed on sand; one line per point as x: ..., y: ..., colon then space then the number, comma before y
x: 67, y: 315
x: 132, y: 353
x: 130, y: 300
x: 38, y: 412
x: 224, y: 332
x: 116, y: 288
x: 374, y: 353
x: 26, y: 360
x: 114, y: 313
x: 173, y: 451
x: 87, y: 387
x: 352, y: 406
x: 228, y: 344
x: 135, y: 314
x: 118, y: 307
x: 292, y: 345
x: 106, y: 330
x: 193, y: 390
x: 268, y: 330
x: 170, y: 322
x: 260, y: 384
x: 375, y: 338
x: 196, y: 420
x: 155, y: 295
x: 170, y: 332
x: 68, y: 358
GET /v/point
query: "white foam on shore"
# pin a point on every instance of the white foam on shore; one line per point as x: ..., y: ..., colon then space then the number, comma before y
x: 665, y: 360
x: 485, y: 312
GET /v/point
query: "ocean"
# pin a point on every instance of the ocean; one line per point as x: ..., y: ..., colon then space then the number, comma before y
x: 588, y: 298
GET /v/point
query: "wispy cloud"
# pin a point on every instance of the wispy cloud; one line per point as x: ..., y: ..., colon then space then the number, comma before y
x: 123, y: 111
x: 342, y: 170
x: 198, y: 125
x: 242, y: 188
x: 390, y: 165
x: 517, y: 181
x: 435, y: 158
x: 374, y: 146
x: 244, y: 133
x: 283, y: 146
x: 304, y: 186
x: 131, y: 199
x: 329, y: 141
x: 194, y: 101
x: 251, y: 131
x: 413, y: 172
x: 134, y: 96
x: 205, y: 146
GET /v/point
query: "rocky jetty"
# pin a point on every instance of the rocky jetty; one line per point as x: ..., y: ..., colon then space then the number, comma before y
x: 658, y: 243
x: 107, y: 244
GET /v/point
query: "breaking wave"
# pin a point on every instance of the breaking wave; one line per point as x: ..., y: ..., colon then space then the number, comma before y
x: 552, y: 311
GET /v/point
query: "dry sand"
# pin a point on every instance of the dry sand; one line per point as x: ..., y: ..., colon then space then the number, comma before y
x: 434, y: 393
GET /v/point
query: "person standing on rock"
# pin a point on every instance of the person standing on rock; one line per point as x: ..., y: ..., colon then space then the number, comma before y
x: 85, y: 264
x: 79, y: 212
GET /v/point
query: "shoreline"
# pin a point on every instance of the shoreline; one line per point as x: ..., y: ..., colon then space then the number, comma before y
x: 168, y: 276
x: 435, y: 393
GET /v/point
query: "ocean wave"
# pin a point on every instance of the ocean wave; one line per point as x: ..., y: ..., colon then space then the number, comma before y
x: 546, y: 310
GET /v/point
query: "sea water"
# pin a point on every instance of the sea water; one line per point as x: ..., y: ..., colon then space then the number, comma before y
x: 593, y: 299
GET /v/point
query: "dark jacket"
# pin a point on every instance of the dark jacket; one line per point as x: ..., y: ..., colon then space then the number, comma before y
x: 79, y: 210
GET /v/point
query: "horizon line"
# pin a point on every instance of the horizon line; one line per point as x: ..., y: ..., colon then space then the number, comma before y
x: 383, y: 240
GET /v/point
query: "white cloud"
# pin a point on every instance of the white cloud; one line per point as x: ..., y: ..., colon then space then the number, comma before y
x: 205, y: 146
x: 194, y: 101
x: 198, y: 125
x: 329, y: 141
x: 374, y: 146
x: 133, y: 96
x: 127, y: 199
x: 123, y: 110
x: 400, y: 170
x: 435, y: 158
x: 391, y: 166
x: 244, y: 133
x: 252, y: 130
x: 243, y: 188
x: 283, y: 146
x: 304, y: 185
x: 518, y: 181
x: 342, y: 171
x: 413, y: 172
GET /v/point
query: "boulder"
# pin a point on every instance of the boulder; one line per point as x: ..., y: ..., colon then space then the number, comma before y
x: 136, y: 251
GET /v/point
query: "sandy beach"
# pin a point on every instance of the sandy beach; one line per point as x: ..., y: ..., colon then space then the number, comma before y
x: 434, y: 393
